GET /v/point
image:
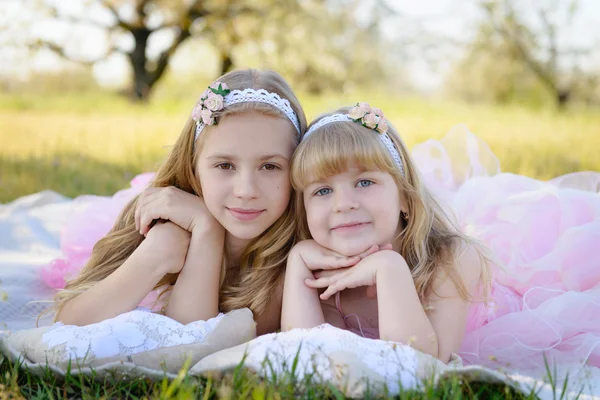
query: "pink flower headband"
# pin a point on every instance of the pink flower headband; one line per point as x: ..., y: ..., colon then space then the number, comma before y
x: 369, y: 117
x: 211, y: 101
x: 219, y: 96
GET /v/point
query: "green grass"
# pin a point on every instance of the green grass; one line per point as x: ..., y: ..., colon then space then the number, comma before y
x: 17, y: 383
x: 96, y: 142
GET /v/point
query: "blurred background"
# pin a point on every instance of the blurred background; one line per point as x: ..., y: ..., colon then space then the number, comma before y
x: 93, y: 92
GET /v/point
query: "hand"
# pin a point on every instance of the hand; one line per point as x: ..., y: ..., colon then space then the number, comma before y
x: 371, y: 290
x: 169, y: 244
x: 363, y: 273
x: 170, y: 203
x: 319, y: 258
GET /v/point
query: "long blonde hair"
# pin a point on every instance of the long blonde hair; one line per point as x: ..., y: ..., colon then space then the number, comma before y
x: 429, y: 240
x: 262, y: 262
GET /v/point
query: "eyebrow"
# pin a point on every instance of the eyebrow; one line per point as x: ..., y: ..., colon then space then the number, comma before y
x: 262, y: 158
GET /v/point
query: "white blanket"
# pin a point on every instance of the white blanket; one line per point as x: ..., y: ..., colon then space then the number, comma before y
x: 29, y: 238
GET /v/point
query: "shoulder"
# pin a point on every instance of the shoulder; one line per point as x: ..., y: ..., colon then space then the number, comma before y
x: 465, y: 272
x: 470, y: 264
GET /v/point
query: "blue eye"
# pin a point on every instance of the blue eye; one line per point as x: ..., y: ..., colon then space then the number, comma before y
x: 225, y: 166
x: 323, y: 192
x: 364, y: 183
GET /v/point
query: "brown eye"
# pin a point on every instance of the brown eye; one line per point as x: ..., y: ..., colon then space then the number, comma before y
x: 270, y: 167
x: 225, y: 166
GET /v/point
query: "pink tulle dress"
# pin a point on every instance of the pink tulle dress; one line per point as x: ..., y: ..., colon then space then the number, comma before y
x: 545, y: 238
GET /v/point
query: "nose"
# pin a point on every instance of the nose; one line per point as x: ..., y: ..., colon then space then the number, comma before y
x: 245, y: 186
x: 343, y: 200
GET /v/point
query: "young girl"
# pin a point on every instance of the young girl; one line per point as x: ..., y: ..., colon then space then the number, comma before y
x: 360, y: 193
x: 360, y: 188
x: 215, y: 227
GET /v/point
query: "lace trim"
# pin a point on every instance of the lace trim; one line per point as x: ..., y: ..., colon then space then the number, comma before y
x: 257, y: 96
x: 385, y: 139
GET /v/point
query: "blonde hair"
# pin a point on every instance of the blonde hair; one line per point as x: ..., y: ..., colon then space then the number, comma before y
x: 429, y: 240
x: 262, y: 262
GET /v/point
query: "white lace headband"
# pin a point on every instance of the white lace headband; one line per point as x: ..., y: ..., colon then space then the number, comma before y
x: 383, y: 136
x: 218, y: 96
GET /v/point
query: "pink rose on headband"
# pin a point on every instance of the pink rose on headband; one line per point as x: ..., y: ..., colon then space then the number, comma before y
x: 370, y: 120
x: 207, y: 117
x: 214, y: 102
x: 377, y: 111
x: 382, y: 127
x: 356, y: 113
x: 196, y: 112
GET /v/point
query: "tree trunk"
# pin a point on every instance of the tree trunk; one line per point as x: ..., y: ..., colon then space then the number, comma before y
x: 226, y: 63
x: 562, y: 98
x: 141, y: 85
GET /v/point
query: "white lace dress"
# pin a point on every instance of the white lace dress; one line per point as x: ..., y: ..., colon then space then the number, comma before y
x: 130, y: 333
x: 312, y: 349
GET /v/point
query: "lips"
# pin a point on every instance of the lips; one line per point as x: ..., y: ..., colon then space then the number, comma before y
x: 350, y: 226
x: 245, y: 214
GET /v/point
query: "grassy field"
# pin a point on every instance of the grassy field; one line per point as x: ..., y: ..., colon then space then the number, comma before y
x: 96, y: 143
x: 240, y: 384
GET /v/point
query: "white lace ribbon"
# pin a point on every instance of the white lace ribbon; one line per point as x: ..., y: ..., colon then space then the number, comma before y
x: 385, y: 139
x: 257, y: 96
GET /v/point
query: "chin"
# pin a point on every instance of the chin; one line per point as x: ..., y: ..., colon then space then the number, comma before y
x: 351, y: 249
x: 245, y: 234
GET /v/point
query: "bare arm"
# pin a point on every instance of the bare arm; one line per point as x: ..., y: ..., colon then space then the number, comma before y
x: 301, y: 305
x: 196, y: 294
x: 439, y: 334
x: 450, y: 310
x: 401, y: 315
x: 161, y: 252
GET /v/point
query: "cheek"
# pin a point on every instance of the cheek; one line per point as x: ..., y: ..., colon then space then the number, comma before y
x: 316, y: 220
x: 278, y: 189
x: 212, y: 191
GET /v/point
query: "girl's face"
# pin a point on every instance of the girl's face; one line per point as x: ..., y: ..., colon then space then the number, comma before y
x: 350, y: 212
x: 244, y: 172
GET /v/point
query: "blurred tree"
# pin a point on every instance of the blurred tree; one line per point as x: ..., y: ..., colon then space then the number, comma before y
x: 318, y: 44
x: 526, y: 38
x: 491, y: 70
x: 139, y: 20
x: 333, y: 45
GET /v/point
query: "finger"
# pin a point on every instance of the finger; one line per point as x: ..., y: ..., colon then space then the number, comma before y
x: 328, y: 272
x: 141, y: 202
x: 319, y: 283
x: 336, y: 261
x: 333, y: 289
x: 387, y: 246
x: 327, y: 262
x: 151, y: 211
x: 148, y: 217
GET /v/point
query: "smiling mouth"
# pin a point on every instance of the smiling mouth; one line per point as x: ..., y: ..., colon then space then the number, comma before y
x: 352, y: 226
x: 245, y: 214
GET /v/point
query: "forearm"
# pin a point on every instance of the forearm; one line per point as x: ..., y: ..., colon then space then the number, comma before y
x: 195, y: 296
x: 301, y: 305
x: 121, y: 291
x: 401, y: 315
